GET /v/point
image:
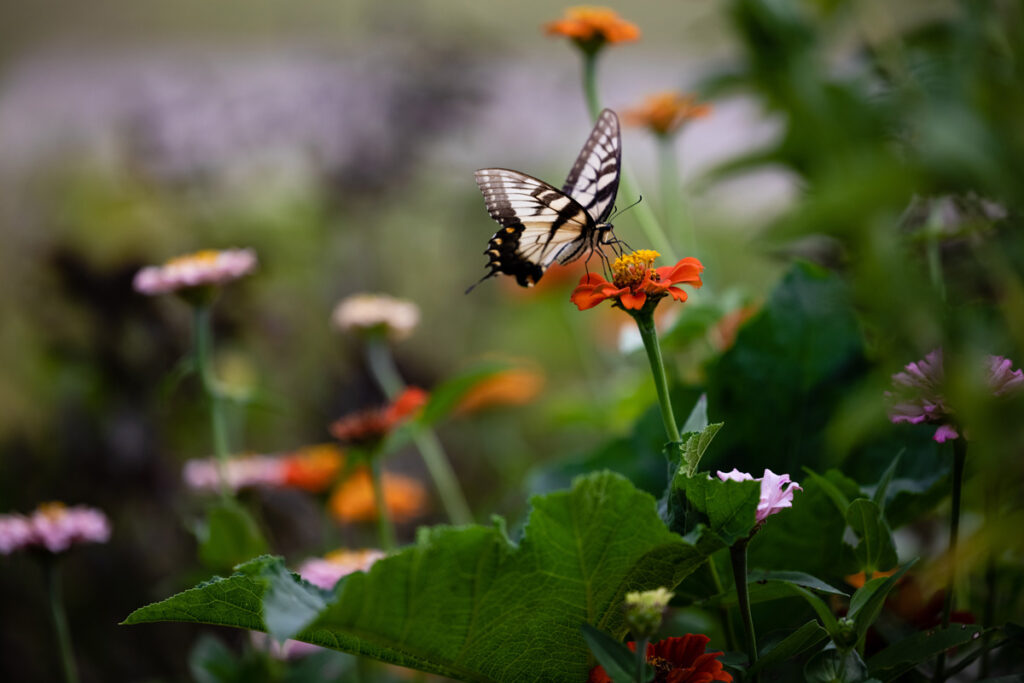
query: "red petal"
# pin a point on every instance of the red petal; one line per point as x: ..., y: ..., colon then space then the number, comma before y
x: 588, y: 296
x: 677, y: 294
x: 592, y: 279
x: 633, y: 300
x: 687, y: 270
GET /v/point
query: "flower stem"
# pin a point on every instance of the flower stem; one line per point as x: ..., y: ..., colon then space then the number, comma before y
x: 724, y: 614
x: 677, y: 213
x: 738, y: 555
x: 382, y: 366
x: 60, y: 620
x: 959, y: 458
x: 627, y: 188
x: 385, y: 527
x: 641, y: 659
x: 645, y: 323
x: 203, y: 330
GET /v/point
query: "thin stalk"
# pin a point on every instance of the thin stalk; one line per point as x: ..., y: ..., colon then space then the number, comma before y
x: 738, y: 555
x: 382, y: 366
x: 641, y: 659
x: 959, y: 458
x: 627, y: 188
x: 645, y: 323
x: 724, y: 614
x: 203, y: 330
x: 60, y: 621
x: 385, y: 527
x: 677, y: 214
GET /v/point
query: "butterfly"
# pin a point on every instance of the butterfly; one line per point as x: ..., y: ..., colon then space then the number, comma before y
x: 541, y: 224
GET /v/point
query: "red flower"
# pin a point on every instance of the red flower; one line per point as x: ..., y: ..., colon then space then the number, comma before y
x: 677, y: 660
x: 635, y: 282
x: 369, y: 426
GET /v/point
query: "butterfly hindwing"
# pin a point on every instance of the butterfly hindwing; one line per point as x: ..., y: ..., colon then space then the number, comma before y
x: 539, y: 224
x: 594, y: 178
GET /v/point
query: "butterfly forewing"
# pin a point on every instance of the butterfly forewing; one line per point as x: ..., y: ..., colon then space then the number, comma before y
x: 540, y: 224
x: 594, y: 178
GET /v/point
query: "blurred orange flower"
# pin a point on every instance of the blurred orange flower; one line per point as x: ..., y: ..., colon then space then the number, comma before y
x: 353, y: 499
x: 509, y: 387
x: 723, y: 334
x: 665, y: 112
x: 370, y: 426
x: 313, y: 468
x: 592, y: 27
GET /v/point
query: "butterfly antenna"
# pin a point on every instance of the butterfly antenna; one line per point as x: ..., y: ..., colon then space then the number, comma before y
x: 616, y: 212
x: 485, y: 277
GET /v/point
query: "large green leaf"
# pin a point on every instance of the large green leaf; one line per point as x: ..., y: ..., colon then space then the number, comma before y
x: 467, y: 603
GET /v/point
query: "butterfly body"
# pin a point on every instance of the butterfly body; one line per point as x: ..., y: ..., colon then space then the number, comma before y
x: 542, y: 225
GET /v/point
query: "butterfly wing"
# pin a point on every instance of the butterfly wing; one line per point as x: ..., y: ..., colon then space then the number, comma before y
x: 594, y: 178
x: 539, y: 224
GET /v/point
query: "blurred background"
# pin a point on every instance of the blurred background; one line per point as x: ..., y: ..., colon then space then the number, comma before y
x: 879, y: 141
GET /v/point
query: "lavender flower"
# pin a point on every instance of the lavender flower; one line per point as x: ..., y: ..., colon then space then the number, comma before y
x: 201, y: 269
x: 240, y: 472
x: 775, y: 494
x: 918, y: 393
x: 15, y: 533
x: 54, y: 526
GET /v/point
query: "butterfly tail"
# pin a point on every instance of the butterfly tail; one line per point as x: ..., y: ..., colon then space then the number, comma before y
x: 485, y: 277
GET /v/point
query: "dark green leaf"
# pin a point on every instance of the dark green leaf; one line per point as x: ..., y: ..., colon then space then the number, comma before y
x: 834, y: 493
x: 876, y: 550
x: 453, y: 602
x: 797, y: 578
x: 801, y: 640
x: 882, y: 489
x: 289, y: 604
x: 920, y: 647
x: 730, y: 506
x: 833, y: 666
x: 867, y: 602
x: 619, y: 661
x: 228, y: 535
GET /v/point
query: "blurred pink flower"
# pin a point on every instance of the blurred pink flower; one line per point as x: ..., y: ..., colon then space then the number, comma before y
x: 15, y: 533
x: 54, y: 526
x: 775, y: 494
x: 918, y: 392
x: 240, y: 472
x: 201, y: 269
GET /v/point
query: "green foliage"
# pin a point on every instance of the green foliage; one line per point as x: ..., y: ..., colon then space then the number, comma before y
x: 619, y: 661
x: 787, y: 373
x: 876, y: 550
x: 228, y: 535
x: 796, y: 643
x: 453, y: 602
x: 901, y: 657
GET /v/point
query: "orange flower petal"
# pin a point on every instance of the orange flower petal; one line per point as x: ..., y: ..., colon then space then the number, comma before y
x: 633, y: 300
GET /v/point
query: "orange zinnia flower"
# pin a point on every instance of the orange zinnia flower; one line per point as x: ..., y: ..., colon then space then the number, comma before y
x: 666, y: 112
x: 591, y: 27
x: 370, y: 426
x: 313, y: 468
x: 353, y: 500
x: 635, y: 283
x: 509, y: 387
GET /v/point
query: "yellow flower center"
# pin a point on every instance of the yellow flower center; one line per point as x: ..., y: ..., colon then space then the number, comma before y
x: 204, y: 256
x: 630, y: 270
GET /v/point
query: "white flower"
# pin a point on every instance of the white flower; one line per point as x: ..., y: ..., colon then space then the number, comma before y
x: 369, y: 312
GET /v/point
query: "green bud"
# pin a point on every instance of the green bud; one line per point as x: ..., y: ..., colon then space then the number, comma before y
x: 644, y: 611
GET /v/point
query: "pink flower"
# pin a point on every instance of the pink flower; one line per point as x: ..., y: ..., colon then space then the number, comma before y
x: 15, y: 533
x: 918, y: 392
x: 775, y: 494
x: 240, y: 472
x: 201, y: 269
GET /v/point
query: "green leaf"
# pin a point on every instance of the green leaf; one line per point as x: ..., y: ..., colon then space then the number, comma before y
x: 693, y: 445
x: 801, y: 640
x: 882, y: 489
x: 619, y: 661
x: 289, y: 605
x: 228, y: 535
x: 820, y: 608
x: 876, y: 550
x: 867, y: 602
x: 834, y: 666
x: 730, y: 506
x: 453, y: 602
x: 797, y: 578
x: 445, y: 397
x: 900, y: 657
x: 833, y: 491
x: 698, y: 418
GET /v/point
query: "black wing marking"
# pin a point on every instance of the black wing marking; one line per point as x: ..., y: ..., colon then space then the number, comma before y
x: 594, y: 178
x: 539, y: 225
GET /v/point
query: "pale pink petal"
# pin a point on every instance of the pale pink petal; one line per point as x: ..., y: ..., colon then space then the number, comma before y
x: 944, y: 433
x: 735, y: 475
x: 775, y: 494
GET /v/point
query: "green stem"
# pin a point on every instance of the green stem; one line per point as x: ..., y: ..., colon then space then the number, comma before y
x: 382, y: 366
x: 959, y: 459
x: 724, y: 614
x: 627, y: 188
x: 738, y: 555
x: 641, y: 659
x: 385, y: 527
x: 60, y: 620
x: 676, y: 211
x: 203, y: 330
x: 645, y: 323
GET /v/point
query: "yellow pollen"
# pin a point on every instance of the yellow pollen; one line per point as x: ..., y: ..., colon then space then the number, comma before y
x: 204, y: 256
x: 630, y: 270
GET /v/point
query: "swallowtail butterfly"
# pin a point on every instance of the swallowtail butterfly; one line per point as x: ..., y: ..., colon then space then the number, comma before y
x: 541, y: 224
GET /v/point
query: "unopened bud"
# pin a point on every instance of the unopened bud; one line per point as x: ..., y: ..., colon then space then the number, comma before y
x: 644, y: 611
